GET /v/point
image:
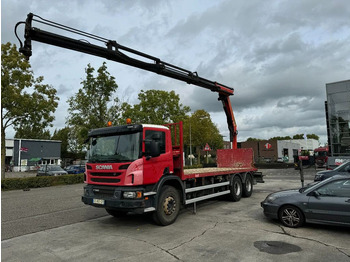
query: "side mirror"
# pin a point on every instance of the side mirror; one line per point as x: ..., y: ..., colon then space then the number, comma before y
x: 314, y: 194
x: 152, y: 149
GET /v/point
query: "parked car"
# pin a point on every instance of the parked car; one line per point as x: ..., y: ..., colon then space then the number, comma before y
x: 50, y: 170
x: 326, y: 202
x: 75, y: 169
x: 343, y: 169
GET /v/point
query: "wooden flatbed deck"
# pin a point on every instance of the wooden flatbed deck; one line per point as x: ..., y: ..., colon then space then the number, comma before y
x: 215, y: 171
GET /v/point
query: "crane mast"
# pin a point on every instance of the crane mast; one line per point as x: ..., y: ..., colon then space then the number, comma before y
x: 116, y: 52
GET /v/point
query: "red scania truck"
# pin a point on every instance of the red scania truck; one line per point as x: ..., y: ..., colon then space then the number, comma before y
x: 139, y: 168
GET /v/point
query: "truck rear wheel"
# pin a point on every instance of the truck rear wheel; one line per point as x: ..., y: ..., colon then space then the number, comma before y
x: 248, y: 186
x: 116, y: 213
x: 168, y: 206
x: 236, y: 189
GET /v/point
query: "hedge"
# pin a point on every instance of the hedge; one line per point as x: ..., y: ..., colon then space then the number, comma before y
x: 41, y: 181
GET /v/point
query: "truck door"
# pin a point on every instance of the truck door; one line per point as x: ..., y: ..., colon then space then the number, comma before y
x: 155, y: 167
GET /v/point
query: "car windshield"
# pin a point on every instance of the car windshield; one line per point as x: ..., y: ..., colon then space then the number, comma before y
x: 342, y: 166
x: 113, y: 149
x: 55, y: 168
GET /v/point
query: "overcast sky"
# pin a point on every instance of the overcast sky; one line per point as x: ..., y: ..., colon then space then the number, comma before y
x: 277, y: 55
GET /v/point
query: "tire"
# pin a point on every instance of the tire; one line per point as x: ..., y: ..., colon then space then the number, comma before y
x: 116, y: 213
x: 248, y: 186
x: 291, y: 216
x: 168, y: 206
x: 236, y: 189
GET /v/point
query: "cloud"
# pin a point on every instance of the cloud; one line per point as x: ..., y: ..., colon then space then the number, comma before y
x: 277, y: 55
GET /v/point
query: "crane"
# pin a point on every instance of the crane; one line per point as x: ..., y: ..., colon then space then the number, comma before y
x: 116, y: 52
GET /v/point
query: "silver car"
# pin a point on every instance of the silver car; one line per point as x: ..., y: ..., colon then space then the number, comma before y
x: 326, y: 202
x: 49, y: 170
x: 343, y: 169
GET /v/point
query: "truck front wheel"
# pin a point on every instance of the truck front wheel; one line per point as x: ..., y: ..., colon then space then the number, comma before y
x: 236, y: 189
x: 168, y: 206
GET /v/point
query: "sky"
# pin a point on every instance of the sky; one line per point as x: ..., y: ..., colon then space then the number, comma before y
x: 277, y: 55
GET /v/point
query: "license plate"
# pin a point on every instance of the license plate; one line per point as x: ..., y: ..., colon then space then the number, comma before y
x: 98, y: 201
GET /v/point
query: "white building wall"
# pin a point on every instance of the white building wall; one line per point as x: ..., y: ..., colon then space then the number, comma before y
x: 295, y: 144
x: 290, y: 146
x: 9, y: 144
x: 306, y: 144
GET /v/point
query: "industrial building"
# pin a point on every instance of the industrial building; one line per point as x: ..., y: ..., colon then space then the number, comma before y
x: 266, y: 151
x: 27, y: 154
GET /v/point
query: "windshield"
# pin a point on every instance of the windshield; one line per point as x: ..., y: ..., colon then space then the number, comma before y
x: 114, y: 149
x: 321, y: 154
x: 55, y: 168
x: 341, y: 168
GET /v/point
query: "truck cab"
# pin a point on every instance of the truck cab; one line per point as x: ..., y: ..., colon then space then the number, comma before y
x: 128, y: 155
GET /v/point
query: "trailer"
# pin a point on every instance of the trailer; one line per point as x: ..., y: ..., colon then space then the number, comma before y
x: 139, y: 168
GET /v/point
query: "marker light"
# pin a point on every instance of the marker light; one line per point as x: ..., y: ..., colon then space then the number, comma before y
x: 128, y: 121
x: 109, y: 123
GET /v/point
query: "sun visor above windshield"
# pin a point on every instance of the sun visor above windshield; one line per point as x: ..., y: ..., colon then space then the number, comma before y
x: 115, y: 130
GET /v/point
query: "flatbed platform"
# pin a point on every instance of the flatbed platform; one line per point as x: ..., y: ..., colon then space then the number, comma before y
x: 215, y: 171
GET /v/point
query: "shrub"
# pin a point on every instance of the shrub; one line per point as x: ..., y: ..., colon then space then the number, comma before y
x: 41, y: 181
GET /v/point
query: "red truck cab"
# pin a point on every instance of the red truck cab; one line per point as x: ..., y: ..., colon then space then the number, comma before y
x: 321, y: 156
x: 125, y: 165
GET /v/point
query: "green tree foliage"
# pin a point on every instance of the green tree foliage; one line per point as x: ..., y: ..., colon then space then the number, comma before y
x: 25, y: 100
x: 155, y: 107
x: 62, y: 135
x: 312, y: 136
x: 202, y: 130
x: 253, y: 139
x: 308, y: 136
x: 280, y: 138
x: 298, y: 136
x: 32, y: 132
x: 91, y: 106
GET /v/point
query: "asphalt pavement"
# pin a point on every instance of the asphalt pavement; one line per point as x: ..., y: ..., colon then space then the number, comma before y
x: 51, y: 224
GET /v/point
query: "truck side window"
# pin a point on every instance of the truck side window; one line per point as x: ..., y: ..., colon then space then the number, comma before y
x: 158, y: 136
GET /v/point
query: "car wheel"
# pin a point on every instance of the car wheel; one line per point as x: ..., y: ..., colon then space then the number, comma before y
x: 248, y: 186
x: 291, y: 216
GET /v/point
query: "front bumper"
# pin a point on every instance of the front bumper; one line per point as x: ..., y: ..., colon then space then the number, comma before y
x: 111, y: 198
x: 270, y: 210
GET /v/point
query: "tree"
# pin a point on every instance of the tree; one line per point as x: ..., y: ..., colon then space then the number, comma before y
x: 91, y: 106
x: 32, y: 132
x: 298, y: 136
x: 308, y: 136
x: 253, y: 139
x: 25, y: 100
x: 62, y: 135
x: 155, y: 107
x: 313, y: 136
x: 203, y: 131
x: 280, y: 138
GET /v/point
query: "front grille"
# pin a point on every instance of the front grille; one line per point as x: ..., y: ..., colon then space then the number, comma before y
x: 105, y: 193
x: 105, y: 180
x: 114, y: 174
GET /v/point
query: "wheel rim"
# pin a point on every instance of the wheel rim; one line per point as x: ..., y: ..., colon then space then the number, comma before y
x: 248, y: 185
x: 290, y: 217
x: 169, y: 205
x: 237, y: 189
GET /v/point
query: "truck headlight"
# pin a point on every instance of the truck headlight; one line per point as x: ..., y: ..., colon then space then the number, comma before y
x: 132, y: 194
